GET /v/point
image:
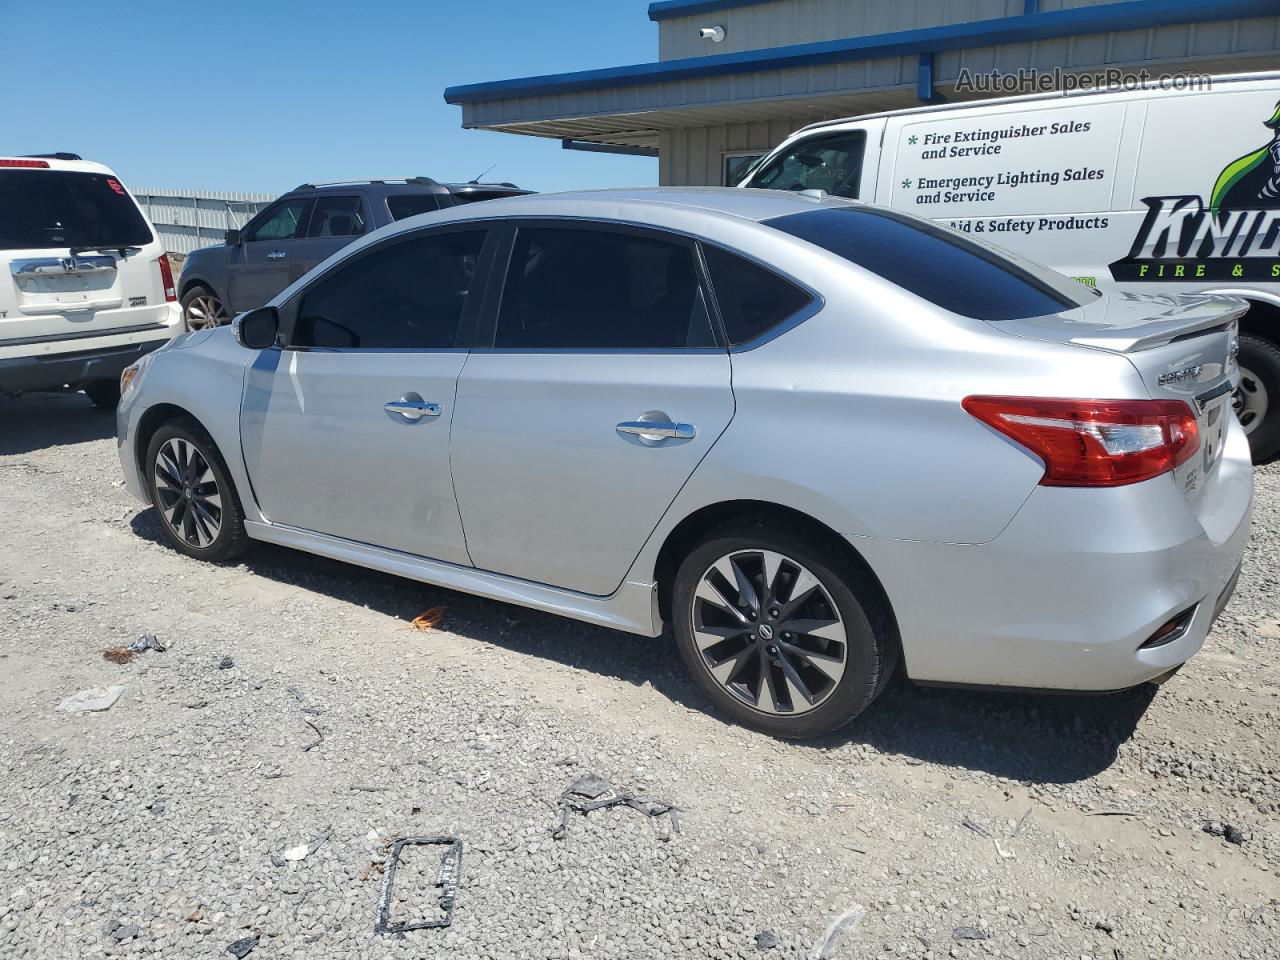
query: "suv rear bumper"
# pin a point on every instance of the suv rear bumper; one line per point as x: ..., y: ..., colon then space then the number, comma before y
x: 55, y: 370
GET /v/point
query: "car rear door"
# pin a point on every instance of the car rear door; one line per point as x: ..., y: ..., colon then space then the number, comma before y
x: 335, y: 221
x: 345, y: 431
x: 600, y: 390
x: 259, y: 267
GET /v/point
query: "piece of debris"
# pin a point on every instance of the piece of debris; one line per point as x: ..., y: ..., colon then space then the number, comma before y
x: 1001, y: 852
x: 195, y: 916
x: 318, y: 740
x: 446, y: 881
x: 1021, y: 825
x: 147, y: 642
x: 595, y: 793
x: 846, y: 923
x: 156, y: 807
x: 1227, y: 831
x: 93, y: 700
x: 1111, y: 812
x: 976, y: 827
x: 121, y: 932
x: 302, y: 850
x: 969, y: 933
x: 242, y: 948
x: 226, y: 663
x: 431, y: 618
x: 118, y: 655
x: 766, y: 940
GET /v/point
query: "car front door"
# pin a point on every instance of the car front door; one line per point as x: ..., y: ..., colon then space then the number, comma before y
x: 258, y: 268
x: 335, y: 221
x: 345, y: 429
x: 600, y: 388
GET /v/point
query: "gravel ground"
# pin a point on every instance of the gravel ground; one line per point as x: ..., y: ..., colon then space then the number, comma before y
x: 961, y: 825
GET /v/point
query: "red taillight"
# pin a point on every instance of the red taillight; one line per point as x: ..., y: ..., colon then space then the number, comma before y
x: 166, y: 280
x: 6, y: 162
x: 1095, y: 443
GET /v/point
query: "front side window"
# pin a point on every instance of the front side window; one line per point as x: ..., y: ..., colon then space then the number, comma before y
x: 48, y: 209
x: 737, y: 166
x: 832, y: 162
x: 572, y: 288
x: 337, y: 217
x: 284, y: 221
x: 407, y: 295
x: 752, y: 299
x: 936, y: 264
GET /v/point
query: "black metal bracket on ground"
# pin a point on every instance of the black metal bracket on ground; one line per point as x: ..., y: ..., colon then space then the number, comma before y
x: 447, y: 881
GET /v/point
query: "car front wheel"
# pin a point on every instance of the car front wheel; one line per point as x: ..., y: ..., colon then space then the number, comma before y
x: 782, y: 634
x: 191, y: 489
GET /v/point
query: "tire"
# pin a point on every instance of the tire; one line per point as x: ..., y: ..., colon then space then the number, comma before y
x: 756, y: 687
x: 104, y: 394
x: 1257, y: 402
x: 198, y: 506
x: 202, y: 308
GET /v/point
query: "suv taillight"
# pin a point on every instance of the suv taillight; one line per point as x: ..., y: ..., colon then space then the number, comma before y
x: 166, y: 280
x: 1095, y: 443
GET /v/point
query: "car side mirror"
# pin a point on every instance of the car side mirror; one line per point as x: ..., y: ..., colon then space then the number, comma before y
x: 258, y: 329
x: 233, y: 238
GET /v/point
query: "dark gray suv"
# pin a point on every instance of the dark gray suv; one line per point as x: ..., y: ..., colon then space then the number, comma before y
x: 301, y: 229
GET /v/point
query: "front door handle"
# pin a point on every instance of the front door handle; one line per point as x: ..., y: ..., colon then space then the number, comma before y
x: 276, y: 255
x: 412, y: 407
x: 658, y: 429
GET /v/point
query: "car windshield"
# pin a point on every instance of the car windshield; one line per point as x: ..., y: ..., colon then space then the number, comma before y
x: 48, y: 209
x: 937, y: 264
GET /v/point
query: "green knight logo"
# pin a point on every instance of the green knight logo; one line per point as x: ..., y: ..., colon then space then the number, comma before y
x: 1235, y: 236
x: 1254, y: 179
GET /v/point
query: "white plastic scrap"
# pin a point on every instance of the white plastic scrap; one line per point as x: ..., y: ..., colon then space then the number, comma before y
x: 93, y: 700
x: 847, y: 922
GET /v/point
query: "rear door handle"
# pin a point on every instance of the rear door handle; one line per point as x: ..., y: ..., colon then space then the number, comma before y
x: 658, y: 429
x: 412, y: 409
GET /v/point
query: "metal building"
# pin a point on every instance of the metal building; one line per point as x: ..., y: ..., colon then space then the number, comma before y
x: 189, y: 219
x: 734, y: 77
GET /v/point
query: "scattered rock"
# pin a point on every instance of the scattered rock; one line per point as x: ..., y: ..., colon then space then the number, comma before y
x: 969, y: 933
x: 226, y: 663
x: 242, y: 948
x: 766, y: 940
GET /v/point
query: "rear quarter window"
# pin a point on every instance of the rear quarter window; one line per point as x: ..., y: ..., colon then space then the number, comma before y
x: 935, y: 264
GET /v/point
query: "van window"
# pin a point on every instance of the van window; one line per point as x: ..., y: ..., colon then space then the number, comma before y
x: 47, y: 209
x: 935, y: 264
x: 832, y: 162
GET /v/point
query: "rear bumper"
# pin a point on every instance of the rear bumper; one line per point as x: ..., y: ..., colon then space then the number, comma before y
x: 1067, y: 595
x: 56, y: 370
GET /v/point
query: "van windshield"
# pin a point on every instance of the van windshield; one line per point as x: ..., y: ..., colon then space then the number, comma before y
x: 48, y: 209
x: 832, y: 163
x: 937, y: 264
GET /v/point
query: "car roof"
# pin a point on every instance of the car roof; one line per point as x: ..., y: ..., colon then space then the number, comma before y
x: 395, y: 185
x: 657, y: 205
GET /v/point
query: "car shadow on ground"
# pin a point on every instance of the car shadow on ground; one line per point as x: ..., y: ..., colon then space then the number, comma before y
x: 1035, y: 738
x: 38, y: 421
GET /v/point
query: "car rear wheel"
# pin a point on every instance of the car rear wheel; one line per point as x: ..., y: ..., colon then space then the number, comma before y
x: 782, y: 634
x: 104, y: 394
x: 191, y: 489
x: 1257, y: 400
x: 202, y: 309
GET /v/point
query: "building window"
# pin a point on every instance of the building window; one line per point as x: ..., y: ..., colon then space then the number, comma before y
x: 736, y: 166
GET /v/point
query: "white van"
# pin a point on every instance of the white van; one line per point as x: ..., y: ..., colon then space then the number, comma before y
x: 1149, y: 190
x: 85, y: 286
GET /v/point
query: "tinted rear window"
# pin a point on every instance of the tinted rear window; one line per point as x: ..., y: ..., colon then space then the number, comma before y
x: 752, y: 300
x: 940, y: 266
x: 46, y: 209
x: 411, y: 204
x: 473, y: 196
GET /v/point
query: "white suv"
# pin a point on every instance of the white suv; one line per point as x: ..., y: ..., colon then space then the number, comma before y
x: 85, y: 286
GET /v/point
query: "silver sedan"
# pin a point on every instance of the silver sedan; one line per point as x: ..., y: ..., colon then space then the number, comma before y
x: 816, y: 438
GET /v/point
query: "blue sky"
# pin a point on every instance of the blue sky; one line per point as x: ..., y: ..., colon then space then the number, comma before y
x: 262, y: 96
